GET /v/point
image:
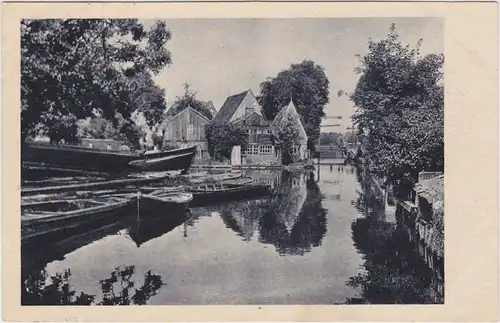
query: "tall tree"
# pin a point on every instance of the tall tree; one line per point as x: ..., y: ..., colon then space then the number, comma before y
x: 72, y: 68
x: 285, y: 137
x: 307, y: 85
x: 189, y: 99
x: 400, y: 109
x: 148, y: 99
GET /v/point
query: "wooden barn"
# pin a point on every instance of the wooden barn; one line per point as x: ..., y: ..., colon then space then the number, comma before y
x: 187, y: 127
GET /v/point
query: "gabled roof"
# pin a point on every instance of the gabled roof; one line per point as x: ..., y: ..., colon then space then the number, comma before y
x: 283, y: 115
x: 432, y: 189
x: 169, y: 117
x: 230, y: 106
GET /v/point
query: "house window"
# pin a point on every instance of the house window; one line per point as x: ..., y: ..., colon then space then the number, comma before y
x: 266, y: 149
x: 190, y: 128
x: 252, y: 150
x: 108, y: 147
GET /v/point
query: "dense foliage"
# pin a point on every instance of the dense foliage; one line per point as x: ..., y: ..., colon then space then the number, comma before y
x: 76, y: 68
x: 307, y: 85
x: 189, y: 99
x: 125, y: 132
x: 331, y: 138
x: 285, y: 138
x: 119, y: 289
x: 222, y: 137
x: 400, y: 110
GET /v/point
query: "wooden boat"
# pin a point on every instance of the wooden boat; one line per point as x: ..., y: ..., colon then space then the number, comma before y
x: 162, y: 203
x: 181, y: 188
x: 172, y: 162
x: 92, y: 185
x: 48, y: 221
x: 216, y: 177
x: 77, y: 157
x: 213, y: 193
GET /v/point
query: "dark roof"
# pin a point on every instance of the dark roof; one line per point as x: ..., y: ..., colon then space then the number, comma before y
x: 432, y: 188
x: 230, y: 106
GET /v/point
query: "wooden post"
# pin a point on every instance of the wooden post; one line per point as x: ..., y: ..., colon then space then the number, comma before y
x: 138, y: 203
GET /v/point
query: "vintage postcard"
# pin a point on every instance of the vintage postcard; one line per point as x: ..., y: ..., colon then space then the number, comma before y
x: 250, y: 161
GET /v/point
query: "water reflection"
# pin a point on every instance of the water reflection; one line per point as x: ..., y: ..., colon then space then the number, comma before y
x: 295, y: 221
x: 118, y: 289
x: 228, y: 253
x: 394, y: 272
x: 144, y: 230
x: 243, y: 217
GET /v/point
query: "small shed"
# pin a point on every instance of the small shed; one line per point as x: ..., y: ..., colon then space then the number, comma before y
x: 430, y: 203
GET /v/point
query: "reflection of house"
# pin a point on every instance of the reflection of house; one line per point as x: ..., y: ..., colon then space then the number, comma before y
x: 186, y: 127
x: 291, y: 196
x: 265, y: 177
x: 296, y: 221
x: 289, y: 113
x: 243, y: 217
x: 244, y: 111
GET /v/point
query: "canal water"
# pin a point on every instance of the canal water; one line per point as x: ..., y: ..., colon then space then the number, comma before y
x: 314, y: 241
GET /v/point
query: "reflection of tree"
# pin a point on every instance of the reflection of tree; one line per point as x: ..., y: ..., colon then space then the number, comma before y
x: 395, y: 272
x: 39, y: 289
x: 309, y: 225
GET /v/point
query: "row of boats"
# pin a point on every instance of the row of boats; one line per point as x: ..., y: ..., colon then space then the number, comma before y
x: 54, y: 212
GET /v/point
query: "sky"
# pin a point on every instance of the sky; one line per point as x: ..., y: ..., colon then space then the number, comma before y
x: 222, y: 57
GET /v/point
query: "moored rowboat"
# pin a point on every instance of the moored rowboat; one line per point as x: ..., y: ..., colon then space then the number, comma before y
x: 92, y: 185
x: 47, y: 221
x: 216, y: 177
x: 162, y: 203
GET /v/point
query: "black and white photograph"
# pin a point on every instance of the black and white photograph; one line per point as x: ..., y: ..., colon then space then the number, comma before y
x: 232, y: 161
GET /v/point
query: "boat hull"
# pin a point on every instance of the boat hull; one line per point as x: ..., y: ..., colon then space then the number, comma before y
x: 174, y: 162
x: 74, y: 157
x: 37, y: 233
x: 150, y: 206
